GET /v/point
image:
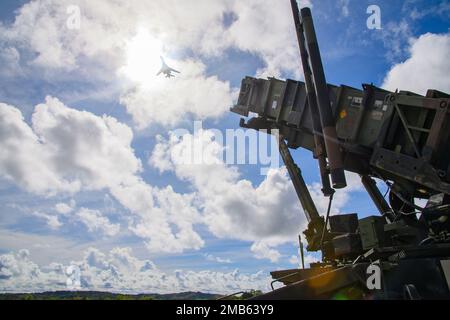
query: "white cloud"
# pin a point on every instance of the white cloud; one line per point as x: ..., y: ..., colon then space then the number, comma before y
x: 158, y: 158
x: 426, y: 68
x: 395, y: 36
x: 65, y: 208
x: 232, y: 207
x: 344, y: 5
x: 95, y: 222
x: 18, y: 267
x: 211, y: 257
x: 119, y: 271
x: 267, y: 31
x: 169, y: 224
x: 10, y: 59
x: 268, y: 214
x: 308, y: 259
x: 66, y: 150
x: 52, y: 221
x: 295, y: 260
x: 40, y: 26
x: 100, y: 48
x: 23, y: 158
x: 441, y: 9
x: 165, y: 101
x: 105, y: 26
x: 353, y: 181
x: 262, y: 250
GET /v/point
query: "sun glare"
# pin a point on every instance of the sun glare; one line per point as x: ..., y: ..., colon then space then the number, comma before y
x: 143, y: 58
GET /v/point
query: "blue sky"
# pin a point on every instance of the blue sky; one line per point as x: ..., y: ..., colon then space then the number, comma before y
x: 93, y: 69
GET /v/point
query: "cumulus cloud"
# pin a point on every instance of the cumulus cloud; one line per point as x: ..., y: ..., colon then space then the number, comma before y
x: 426, y: 68
x: 10, y: 59
x: 65, y: 208
x: 168, y: 225
x: 165, y: 100
x: 262, y: 250
x: 84, y: 147
x: 106, y: 26
x: 23, y: 159
x: 268, y: 214
x: 66, y: 150
x: 233, y: 207
x: 308, y: 259
x: 19, y: 274
x: 119, y: 271
x: 99, y: 49
x: 268, y: 32
x: 52, y: 221
x: 211, y: 257
x: 41, y: 28
x: 95, y: 222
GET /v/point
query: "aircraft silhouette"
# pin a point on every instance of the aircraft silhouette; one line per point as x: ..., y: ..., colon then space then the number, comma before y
x: 166, y: 70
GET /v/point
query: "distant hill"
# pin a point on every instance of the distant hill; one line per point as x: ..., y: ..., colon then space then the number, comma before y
x: 94, y: 295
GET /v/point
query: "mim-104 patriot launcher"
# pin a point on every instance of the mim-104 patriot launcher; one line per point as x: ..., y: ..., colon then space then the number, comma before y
x: 398, y: 138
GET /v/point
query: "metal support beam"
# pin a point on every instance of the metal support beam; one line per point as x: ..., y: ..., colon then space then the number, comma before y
x: 299, y: 183
x: 312, y: 103
x: 332, y: 146
x: 377, y: 198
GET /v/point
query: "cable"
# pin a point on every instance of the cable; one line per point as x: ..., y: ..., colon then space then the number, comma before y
x: 326, y: 220
x: 406, y: 201
x: 420, y: 209
x: 427, y: 241
x: 387, y: 190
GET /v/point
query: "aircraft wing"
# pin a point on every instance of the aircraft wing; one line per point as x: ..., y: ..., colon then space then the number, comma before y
x: 173, y: 70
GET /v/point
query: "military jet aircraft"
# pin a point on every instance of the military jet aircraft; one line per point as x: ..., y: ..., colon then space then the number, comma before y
x: 166, y: 70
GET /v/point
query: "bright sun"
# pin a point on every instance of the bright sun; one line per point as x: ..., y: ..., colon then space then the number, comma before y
x: 143, y: 58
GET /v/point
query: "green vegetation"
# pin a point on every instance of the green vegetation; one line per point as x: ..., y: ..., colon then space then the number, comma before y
x: 93, y: 295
